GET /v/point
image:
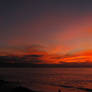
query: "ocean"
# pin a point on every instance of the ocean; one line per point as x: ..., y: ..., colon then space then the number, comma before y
x: 50, y: 79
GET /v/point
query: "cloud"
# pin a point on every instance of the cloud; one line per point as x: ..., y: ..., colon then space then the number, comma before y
x: 37, y: 54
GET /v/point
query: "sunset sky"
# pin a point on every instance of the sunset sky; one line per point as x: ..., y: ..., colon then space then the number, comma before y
x: 56, y: 30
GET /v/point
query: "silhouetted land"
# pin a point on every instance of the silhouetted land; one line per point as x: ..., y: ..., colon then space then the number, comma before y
x: 6, y: 86
x: 29, y: 65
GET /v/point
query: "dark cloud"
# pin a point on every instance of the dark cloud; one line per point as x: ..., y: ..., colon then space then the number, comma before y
x: 35, y: 56
x: 15, y: 59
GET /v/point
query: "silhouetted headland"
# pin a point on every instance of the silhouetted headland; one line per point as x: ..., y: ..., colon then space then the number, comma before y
x: 6, y: 86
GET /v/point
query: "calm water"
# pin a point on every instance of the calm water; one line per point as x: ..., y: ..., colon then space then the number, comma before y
x: 50, y: 79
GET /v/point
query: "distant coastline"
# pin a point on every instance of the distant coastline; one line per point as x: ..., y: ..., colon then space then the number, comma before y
x: 29, y: 65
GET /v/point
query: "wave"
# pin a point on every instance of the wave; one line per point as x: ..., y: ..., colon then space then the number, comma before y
x: 84, y: 89
x: 67, y: 86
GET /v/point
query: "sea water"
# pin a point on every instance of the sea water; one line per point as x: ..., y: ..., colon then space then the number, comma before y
x: 50, y: 79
